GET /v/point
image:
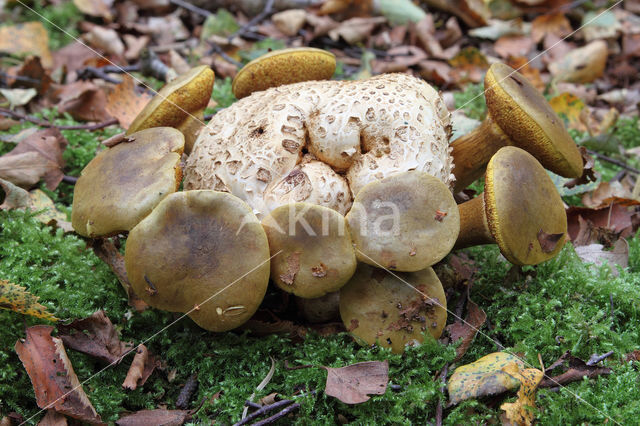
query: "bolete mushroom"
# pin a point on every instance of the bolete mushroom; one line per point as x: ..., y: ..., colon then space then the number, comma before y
x: 518, y: 115
x: 361, y: 131
x: 320, y: 309
x: 281, y: 67
x: 393, y: 310
x: 203, y: 253
x: 520, y: 210
x: 122, y: 184
x: 311, y: 249
x: 406, y: 222
x: 179, y: 104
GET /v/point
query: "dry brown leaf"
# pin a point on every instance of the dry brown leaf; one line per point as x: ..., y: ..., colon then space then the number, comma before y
x: 124, y: 103
x: 83, y: 100
x: 513, y: 45
x: 467, y: 329
x: 32, y: 69
x: 73, y: 57
x: 25, y: 169
x: 596, y: 254
x: 582, y: 65
x: 95, y: 336
x: 469, y: 65
x: 29, y: 38
x: 352, y: 384
x: 53, y: 418
x: 523, y: 66
x: 54, y: 382
x: 604, y: 191
x: 400, y: 59
x: 105, y: 39
x: 142, y: 366
x: 98, y: 8
x: 475, y: 13
x: 155, y: 417
x: 576, y: 370
x: 289, y: 22
x: 556, y: 24
x: 355, y: 30
x: 614, y: 219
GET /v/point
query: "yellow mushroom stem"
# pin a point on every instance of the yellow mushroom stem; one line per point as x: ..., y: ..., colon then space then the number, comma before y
x: 472, y: 152
x: 474, y: 229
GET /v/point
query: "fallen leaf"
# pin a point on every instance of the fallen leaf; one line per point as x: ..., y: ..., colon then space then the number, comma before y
x: 352, y: 384
x: 582, y: 65
x: 54, y: 382
x: 467, y: 329
x: 522, y: 411
x: 83, y: 100
x: 29, y: 38
x: 53, y: 418
x: 18, y: 299
x: 142, y: 366
x: 555, y: 23
x: 498, y: 28
x: 469, y: 65
x: 523, y: 66
x: 33, y: 70
x: 73, y: 57
x: 575, y: 368
x: 615, y: 216
x: 155, y: 417
x: 289, y: 22
x: 548, y: 242
x: 95, y: 336
x: 596, y: 254
x: 569, y: 107
x: 605, y: 191
x: 355, y: 30
x: 18, y: 97
x: 483, y: 377
x: 513, y: 45
x: 600, y: 24
x: 124, y: 103
x: 474, y: 13
x: 99, y: 8
x: 399, y: 60
x: 105, y: 39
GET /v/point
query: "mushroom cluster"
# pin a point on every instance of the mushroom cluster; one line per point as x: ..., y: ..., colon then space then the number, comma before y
x: 319, y: 187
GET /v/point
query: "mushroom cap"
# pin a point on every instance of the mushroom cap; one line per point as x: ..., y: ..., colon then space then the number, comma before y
x: 281, y: 67
x: 201, y: 252
x: 122, y: 184
x: 321, y: 309
x: 311, y: 249
x: 405, y: 222
x: 179, y: 104
x: 384, y: 125
x: 524, y: 211
x: 377, y: 306
x: 526, y: 117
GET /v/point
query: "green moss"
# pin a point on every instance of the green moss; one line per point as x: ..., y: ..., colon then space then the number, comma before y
x: 471, y: 101
x: 222, y: 94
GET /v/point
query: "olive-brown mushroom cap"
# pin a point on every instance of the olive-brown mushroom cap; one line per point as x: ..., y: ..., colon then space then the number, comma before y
x: 122, y: 184
x: 393, y: 310
x: 311, y: 249
x: 525, y: 116
x: 523, y: 207
x: 405, y: 222
x: 179, y: 104
x: 201, y: 252
x: 320, y: 309
x: 281, y: 67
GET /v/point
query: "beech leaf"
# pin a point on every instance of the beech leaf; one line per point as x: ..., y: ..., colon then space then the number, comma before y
x: 352, y: 384
x: 16, y: 298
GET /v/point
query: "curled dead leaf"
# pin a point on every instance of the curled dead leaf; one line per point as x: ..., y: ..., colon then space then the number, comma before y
x: 352, y: 384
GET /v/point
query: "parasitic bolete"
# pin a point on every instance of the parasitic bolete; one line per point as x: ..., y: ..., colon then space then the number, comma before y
x: 285, y: 66
x: 520, y: 210
x: 179, y: 104
x: 405, y: 222
x: 122, y: 184
x: 518, y: 115
x: 203, y: 253
x: 393, y: 310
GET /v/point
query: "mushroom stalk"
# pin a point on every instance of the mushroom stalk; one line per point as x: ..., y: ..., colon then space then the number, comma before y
x: 472, y: 152
x: 474, y: 229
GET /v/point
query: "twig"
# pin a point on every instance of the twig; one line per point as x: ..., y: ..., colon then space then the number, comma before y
x: 252, y: 404
x: 268, y: 10
x: 191, y: 8
x: 440, y: 407
x: 19, y: 78
x: 182, y: 402
x: 613, y: 161
x: 295, y: 367
x: 277, y: 416
x: 263, y: 410
x: 8, y: 113
x: 595, y: 358
x: 215, y: 48
x: 613, y: 318
x: 70, y: 179
x: 102, y: 72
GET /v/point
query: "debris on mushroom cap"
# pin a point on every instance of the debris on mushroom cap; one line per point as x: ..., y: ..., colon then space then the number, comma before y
x: 526, y: 117
x: 201, y: 252
x: 523, y: 207
x: 122, y: 184
x: 285, y: 66
x: 387, y: 124
x: 180, y: 104
x: 405, y: 222
x: 393, y: 310
x: 311, y: 249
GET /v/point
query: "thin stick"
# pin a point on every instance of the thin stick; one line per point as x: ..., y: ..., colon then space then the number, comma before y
x: 277, y: 416
x: 263, y: 410
x: 613, y: 161
x: 268, y: 10
x: 440, y: 407
x: 70, y: 179
x: 217, y: 49
x: 191, y: 8
x: 295, y: 367
x: 8, y: 113
x: 596, y: 359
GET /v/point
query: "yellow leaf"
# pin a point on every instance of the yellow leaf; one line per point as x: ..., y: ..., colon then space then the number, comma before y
x: 522, y: 412
x: 483, y: 377
x: 29, y: 38
x: 569, y: 107
x: 16, y: 298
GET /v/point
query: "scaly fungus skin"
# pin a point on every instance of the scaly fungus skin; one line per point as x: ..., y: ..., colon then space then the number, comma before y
x: 362, y: 130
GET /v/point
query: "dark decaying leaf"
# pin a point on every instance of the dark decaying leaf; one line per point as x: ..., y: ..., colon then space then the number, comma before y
x: 159, y: 417
x: 575, y: 370
x: 588, y: 173
x: 548, y: 242
x: 54, y: 382
x: 467, y: 329
x: 142, y: 366
x: 615, y: 217
x: 352, y: 384
x: 53, y: 418
x: 95, y: 336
